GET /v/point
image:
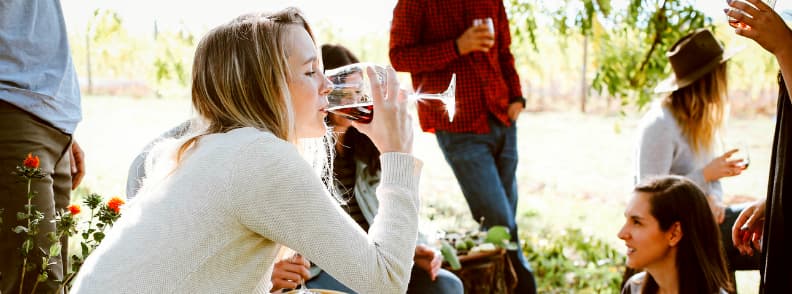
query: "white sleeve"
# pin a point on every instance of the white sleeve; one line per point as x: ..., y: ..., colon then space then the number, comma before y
x: 282, y: 199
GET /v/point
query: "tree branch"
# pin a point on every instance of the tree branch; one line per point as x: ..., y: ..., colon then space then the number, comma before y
x: 661, y: 22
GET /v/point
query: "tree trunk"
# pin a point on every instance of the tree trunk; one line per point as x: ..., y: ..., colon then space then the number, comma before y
x: 583, y: 83
x: 88, y: 61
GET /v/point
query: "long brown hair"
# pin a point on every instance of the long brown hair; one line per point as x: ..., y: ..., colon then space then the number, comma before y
x: 701, y: 266
x: 700, y: 109
x: 240, y: 74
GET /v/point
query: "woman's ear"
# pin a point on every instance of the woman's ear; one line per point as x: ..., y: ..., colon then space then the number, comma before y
x: 674, y: 234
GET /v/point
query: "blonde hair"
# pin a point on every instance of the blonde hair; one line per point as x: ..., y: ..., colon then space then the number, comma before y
x: 700, y: 109
x: 240, y: 79
x: 240, y: 74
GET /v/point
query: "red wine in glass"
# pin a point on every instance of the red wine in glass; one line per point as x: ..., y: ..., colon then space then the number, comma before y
x: 359, y: 112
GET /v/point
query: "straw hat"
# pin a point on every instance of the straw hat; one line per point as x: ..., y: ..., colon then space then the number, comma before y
x: 692, y: 57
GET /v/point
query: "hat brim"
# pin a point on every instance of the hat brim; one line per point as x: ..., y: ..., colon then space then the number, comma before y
x: 671, y: 83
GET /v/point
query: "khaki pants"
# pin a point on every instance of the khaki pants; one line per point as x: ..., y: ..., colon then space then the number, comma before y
x: 22, y: 133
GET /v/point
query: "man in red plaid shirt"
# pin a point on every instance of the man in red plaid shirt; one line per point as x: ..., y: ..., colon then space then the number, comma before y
x: 435, y: 39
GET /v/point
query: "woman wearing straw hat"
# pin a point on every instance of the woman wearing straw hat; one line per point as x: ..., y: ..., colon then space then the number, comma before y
x: 678, y: 135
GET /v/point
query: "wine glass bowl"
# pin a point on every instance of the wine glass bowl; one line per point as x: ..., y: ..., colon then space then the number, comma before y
x: 744, y: 154
x: 352, y: 97
x: 351, y: 94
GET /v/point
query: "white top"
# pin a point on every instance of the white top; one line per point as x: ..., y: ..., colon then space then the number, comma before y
x: 215, y: 224
x: 663, y: 150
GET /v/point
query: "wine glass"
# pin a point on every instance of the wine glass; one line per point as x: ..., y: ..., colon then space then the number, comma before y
x: 738, y: 24
x: 351, y: 96
x: 744, y: 154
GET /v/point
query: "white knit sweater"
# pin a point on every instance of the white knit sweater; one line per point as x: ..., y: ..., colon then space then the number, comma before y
x: 215, y: 224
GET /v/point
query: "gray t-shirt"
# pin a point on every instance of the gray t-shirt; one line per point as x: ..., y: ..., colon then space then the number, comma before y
x: 663, y: 150
x: 36, y: 70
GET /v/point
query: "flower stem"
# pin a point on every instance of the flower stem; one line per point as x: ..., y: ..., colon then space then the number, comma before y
x: 65, y: 282
x: 35, y: 285
x: 22, y: 279
x: 24, y: 258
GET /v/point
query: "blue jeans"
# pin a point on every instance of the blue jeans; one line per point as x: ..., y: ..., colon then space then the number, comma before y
x: 446, y: 283
x: 485, y: 166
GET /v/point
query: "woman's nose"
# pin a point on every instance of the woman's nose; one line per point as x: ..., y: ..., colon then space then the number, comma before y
x: 622, y: 234
x: 327, y: 86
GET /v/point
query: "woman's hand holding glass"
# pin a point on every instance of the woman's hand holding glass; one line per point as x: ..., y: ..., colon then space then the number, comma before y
x: 764, y: 25
x: 391, y: 129
x: 724, y: 166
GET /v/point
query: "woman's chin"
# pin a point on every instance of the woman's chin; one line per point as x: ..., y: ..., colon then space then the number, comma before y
x: 632, y: 263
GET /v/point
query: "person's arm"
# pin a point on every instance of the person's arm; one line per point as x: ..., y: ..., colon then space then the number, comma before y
x: 406, y: 53
x: 76, y: 158
x: 284, y: 201
x: 769, y: 30
x: 506, y: 59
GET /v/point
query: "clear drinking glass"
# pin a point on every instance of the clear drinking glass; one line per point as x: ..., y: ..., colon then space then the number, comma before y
x: 351, y: 97
x: 738, y: 24
x: 487, y: 21
x: 744, y: 154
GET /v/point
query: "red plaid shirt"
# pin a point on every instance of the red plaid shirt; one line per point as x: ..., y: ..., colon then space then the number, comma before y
x: 422, y: 42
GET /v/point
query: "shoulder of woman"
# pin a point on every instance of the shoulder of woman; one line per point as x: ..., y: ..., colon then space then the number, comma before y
x: 658, y: 117
x: 253, y: 145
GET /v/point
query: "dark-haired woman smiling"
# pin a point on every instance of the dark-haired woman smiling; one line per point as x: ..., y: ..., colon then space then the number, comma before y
x: 671, y: 234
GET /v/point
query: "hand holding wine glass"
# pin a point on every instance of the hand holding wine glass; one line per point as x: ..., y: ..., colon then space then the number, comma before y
x: 761, y: 24
x: 391, y: 130
x: 723, y: 166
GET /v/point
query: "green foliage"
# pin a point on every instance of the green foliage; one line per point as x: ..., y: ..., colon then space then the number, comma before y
x: 171, y: 63
x: 628, y: 45
x: 573, y: 261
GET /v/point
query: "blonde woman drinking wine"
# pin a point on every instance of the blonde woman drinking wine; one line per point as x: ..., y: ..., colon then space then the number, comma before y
x: 223, y: 199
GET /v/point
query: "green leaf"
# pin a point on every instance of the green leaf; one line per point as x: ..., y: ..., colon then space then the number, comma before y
x: 98, y: 236
x: 450, y: 255
x: 85, y: 249
x: 27, y: 246
x: 20, y: 229
x: 55, y: 249
x: 497, y: 235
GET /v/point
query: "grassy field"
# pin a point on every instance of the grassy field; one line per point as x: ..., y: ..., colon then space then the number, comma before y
x: 574, y: 171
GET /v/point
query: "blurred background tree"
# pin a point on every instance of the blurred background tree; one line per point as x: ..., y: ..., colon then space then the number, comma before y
x: 592, y: 55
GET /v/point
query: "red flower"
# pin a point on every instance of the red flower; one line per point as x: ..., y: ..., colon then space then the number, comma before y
x: 74, y: 209
x: 31, y: 161
x: 115, y: 204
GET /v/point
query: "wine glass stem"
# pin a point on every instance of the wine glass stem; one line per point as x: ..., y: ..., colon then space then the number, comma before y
x: 430, y: 96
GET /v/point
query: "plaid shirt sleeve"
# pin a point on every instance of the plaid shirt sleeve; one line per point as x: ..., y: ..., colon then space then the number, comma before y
x: 406, y: 53
x: 506, y: 58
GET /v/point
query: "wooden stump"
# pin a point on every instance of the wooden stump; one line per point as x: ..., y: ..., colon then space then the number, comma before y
x: 486, y: 272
